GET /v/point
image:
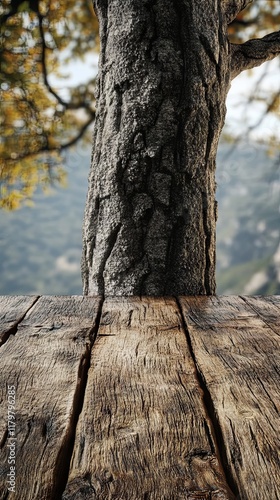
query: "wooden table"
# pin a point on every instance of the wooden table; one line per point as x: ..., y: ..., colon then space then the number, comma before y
x: 140, y: 398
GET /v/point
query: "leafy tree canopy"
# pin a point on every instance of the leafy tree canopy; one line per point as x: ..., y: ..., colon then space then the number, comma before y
x: 39, y: 38
x: 37, y: 121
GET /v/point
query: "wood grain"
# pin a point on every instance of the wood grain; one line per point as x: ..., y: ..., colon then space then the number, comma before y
x: 143, y: 432
x: 12, y: 311
x: 238, y: 358
x: 46, y: 361
x: 268, y: 308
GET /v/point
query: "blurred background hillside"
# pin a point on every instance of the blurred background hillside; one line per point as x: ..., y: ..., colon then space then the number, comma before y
x: 48, y: 67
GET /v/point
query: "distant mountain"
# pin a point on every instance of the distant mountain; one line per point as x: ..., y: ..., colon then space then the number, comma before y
x: 248, y: 229
x: 40, y: 246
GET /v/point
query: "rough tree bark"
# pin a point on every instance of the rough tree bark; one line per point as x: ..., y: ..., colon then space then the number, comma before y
x: 164, y: 74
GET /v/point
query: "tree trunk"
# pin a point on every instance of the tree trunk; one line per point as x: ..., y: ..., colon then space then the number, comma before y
x: 150, y: 218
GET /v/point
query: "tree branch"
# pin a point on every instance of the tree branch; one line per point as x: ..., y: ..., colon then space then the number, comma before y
x: 233, y: 7
x: 44, y: 64
x: 253, y: 53
x: 80, y: 134
x: 65, y: 104
x: 45, y: 72
x: 60, y: 147
x: 243, y: 22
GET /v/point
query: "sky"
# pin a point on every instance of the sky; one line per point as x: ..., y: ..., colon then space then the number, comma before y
x: 240, y: 115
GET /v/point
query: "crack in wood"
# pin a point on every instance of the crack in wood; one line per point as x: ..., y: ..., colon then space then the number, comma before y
x: 212, y: 423
x: 63, y: 460
x: 12, y: 330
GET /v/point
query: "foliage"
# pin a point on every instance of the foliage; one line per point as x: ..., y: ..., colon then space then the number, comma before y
x: 39, y: 38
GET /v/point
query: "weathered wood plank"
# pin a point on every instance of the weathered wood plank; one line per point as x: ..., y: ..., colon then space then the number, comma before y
x: 238, y: 359
x: 12, y: 311
x: 47, y: 362
x: 143, y: 432
x: 268, y: 308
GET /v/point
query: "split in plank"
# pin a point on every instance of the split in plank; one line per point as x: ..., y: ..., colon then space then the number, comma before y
x: 47, y: 362
x: 12, y: 311
x: 238, y: 358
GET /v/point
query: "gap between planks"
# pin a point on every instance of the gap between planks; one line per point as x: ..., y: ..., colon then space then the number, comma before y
x: 67, y: 327
x: 210, y: 412
x: 240, y: 369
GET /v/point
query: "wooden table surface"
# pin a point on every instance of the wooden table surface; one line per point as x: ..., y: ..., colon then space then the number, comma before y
x: 139, y: 398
